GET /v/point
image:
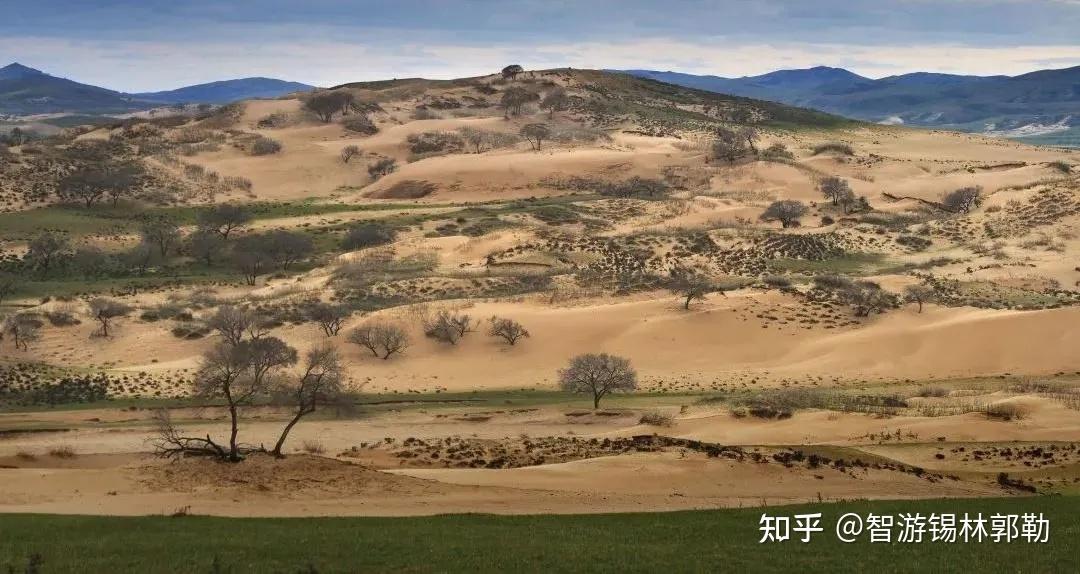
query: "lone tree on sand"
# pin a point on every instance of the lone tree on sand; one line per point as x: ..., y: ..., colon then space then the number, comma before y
x: 554, y: 101
x: 598, y: 374
x: 691, y: 284
x: 918, y: 294
x: 508, y: 329
x: 382, y: 339
x: 514, y: 99
x: 319, y: 382
x: 834, y: 188
x: 963, y: 200
x: 786, y: 211
x: 105, y: 310
x: 536, y: 134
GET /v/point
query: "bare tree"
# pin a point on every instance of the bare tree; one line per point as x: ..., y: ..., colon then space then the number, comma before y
x: 508, y: 329
x: 599, y: 374
x: 786, y: 211
x: 23, y: 329
x: 750, y: 135
x: 535, y: 134
x: 448, y: 326
x: 239, y: 374
x: 320, y: 381
x: 514, y: 99
x: 287, y: 247
x: 382, y: 339
x: 205, y: 244
x: 224, y: 219
x: 963, y: 200
x: 329, y: 317
x: 234, y: 323
x: 170, y: 442
x: 729, y: 145
x: 47, y: 250
x: 106, y: 310
x: 554, y: 101
x: 868, y: 297
x: 691, y: 284
x: 918, y: 294
x: 475, y: 138
x: 833, y: 187
x: 161, y: 231
x: 348, y: 152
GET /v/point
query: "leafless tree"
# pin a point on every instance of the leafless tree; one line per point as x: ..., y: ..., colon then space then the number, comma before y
x: 234, y: 324
x: 868, y: 297
x: 786, y: 211
x: 729, y: 145
x: 104, y: 311
x: 599, y: 374
x: 514, y: 99
x: 320, y: 381
x: 223, y: 219
x: 918, y: 294
x: 475, y: 138
x: 170, y: 442
x: 23, y: 329
x: 46, y: 250
x: 833, y: 187
x: 448, y: 326
x: 508, y: 329
x: 536, y: 134
x: 239, y: 374
x: 348, y: 152
x: 554, y: 101
x: 382, y: 339
x: 329, y: 317
x: 161, y: 231
x: 205, y: 244
x: 691, y: 284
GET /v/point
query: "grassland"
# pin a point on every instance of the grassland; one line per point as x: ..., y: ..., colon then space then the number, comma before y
x: 724, y: 540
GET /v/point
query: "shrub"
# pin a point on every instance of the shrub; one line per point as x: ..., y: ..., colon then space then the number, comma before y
x: 62, y: 451
x: 933, y: 391
x: 361, y: 124
x: 265, y: 146
x: 1007, y: 411
x: 777, y: 281
x: 435, y: 142
x: 367, y: 235
x: 313, y: 447
x: 1061, y: 166
x: 657, y: 419
x: 382, y: 167
x: 834, y: 147
x: 406, y: 189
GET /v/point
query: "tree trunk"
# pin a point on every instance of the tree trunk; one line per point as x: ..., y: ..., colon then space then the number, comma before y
x: 234, y: 451
x: 285, y: 433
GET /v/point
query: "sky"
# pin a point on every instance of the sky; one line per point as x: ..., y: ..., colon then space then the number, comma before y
x: 147, y: 45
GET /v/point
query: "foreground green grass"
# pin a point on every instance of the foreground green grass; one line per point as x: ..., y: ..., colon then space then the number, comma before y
x: 725, y: 540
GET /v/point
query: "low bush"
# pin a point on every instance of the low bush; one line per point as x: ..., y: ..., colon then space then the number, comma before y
x: 265, y: 146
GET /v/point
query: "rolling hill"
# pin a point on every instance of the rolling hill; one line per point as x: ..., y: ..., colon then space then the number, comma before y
x: 227, y: 91
x: 28, y: 91
x: 1037, y: 103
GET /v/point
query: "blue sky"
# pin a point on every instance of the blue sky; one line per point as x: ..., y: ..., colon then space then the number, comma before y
x: 154, y: 44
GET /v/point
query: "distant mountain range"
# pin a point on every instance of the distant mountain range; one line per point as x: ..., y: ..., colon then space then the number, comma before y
x: 1037, y: 103
x: 26, y: 91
